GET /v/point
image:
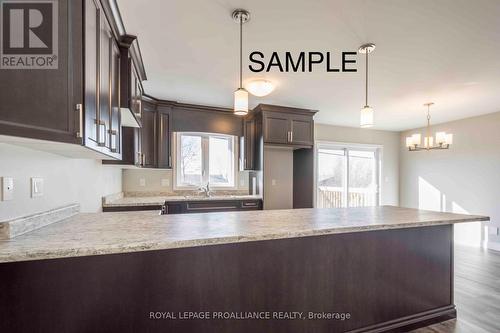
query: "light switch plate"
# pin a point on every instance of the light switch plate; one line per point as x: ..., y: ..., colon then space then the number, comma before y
x: 273, y: 182
x: 165, y: 182
x: 7, y: 188
x: 142, y: 181
x: 36, y: 187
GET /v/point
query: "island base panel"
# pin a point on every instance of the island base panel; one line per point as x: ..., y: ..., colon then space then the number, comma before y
x: 387, y: 280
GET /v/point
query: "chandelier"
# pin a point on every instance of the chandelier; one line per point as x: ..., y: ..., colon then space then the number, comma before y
x: 443, y: 139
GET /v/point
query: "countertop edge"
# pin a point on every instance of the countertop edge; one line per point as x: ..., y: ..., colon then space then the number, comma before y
x: 141, y: 247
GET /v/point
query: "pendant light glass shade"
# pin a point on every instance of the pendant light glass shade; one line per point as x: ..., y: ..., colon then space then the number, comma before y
x: 241, y: 102
x: 366, y: 117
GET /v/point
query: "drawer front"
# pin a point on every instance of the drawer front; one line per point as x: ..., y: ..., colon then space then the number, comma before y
x: 211, y: 206
x: 251, y: 204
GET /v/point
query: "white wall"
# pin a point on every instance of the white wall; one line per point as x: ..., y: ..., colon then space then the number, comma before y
x: 463, y: 179
x: 389, y: 184
x: 66, y: 181
x: 278, y: 178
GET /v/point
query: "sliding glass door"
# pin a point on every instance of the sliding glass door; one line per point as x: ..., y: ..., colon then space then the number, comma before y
x: 347, y: 176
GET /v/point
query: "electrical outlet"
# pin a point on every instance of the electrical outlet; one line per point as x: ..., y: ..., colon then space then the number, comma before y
x: 142, y: 181
x: 242, y: 182
x: 36, y: 187
x: 7, y: 188
x: 273, y: 182
x: 165, y: 182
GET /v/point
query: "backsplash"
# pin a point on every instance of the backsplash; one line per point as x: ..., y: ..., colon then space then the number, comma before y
x: 160, y: 182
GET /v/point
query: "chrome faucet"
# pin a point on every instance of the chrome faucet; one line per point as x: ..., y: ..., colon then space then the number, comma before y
x: 205, y: 190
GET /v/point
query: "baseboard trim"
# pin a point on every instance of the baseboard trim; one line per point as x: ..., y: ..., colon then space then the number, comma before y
x: 404, y: 324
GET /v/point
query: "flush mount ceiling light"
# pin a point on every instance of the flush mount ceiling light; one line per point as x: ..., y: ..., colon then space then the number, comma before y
x: 443, y: 139
x: 260, y: 87
x: 241, y: 95
x: 366, y: 119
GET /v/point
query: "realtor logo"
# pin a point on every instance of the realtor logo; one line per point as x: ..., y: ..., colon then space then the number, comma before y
x: 28, y: 34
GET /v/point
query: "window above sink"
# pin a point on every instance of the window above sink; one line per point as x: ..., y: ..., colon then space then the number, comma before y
x: 202, y: 158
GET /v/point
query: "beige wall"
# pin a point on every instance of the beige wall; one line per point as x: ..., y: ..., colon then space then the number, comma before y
x: 465, y: 178
x: 389, y: 184
x: 66, y: 181
x: 278, y: 178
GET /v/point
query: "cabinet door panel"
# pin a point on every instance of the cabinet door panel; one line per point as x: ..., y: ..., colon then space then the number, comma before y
x: 105, y: 84
x: 249, y: 144
x: 302, y: 130
x: 164, y: 157
x: 115, y: 119
x: 40, y: 103
x: 276, y: 128
x: 92, y: 37
x: 148, y: 138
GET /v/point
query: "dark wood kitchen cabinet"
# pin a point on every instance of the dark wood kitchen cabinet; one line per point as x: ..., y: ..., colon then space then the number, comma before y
x: 164, y: 138
x: 149, y: 136
x: 208, y: 206
x: 286, y: 125
x: 247, y: 144
x: 131, y: 91
x: 79, y: 101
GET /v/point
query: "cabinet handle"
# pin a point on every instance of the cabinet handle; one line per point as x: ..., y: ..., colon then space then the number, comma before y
x: 79, y: 109
x: 113, y: 143
x: 291, y: 136
x: 170, y: 160
x: 139, y: 158
x: 143, y: 159
x: 100, y: 135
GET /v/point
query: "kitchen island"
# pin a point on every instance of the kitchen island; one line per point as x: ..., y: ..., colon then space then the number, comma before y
x: 305, y: 270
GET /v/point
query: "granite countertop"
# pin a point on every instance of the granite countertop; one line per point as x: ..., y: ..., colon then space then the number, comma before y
x: 121, y: 232
x: 160, y: 200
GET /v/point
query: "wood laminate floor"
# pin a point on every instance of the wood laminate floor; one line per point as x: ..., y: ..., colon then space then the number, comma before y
x: 477, y: 293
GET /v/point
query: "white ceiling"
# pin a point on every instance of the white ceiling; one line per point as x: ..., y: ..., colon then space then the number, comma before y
x: 445, y: 51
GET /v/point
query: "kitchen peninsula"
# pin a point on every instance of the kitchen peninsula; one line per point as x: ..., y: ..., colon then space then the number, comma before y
x: 387, y: 267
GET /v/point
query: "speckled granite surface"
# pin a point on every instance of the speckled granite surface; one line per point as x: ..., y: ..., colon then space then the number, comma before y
x: 160, y: 199
x: 106, y: 233
x: 22, y: 225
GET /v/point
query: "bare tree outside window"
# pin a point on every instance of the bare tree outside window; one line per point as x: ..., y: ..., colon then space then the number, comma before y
x: 205, y: 158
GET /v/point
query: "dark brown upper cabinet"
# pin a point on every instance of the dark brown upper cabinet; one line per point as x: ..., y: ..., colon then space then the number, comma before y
x: 132, y: 73
x: 42, y: 103
x: 164, y: 138
x: 149, y: 136
x: 286, y: 126
x: 79, y: 102
x: 247, y: 144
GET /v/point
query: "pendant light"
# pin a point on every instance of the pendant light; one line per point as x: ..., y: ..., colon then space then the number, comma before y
x: 366, y: 119
x: 241, y: 95
x: 443, y: 139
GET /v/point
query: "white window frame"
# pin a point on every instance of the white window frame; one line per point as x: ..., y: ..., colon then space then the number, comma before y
x: 205, y: 136
x: 378, y: 149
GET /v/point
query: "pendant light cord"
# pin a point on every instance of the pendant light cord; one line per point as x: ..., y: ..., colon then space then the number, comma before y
x: 366, y: 80
x: 241, y: 50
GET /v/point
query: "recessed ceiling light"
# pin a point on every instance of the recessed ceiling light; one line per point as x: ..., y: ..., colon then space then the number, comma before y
x: 260, y: 87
